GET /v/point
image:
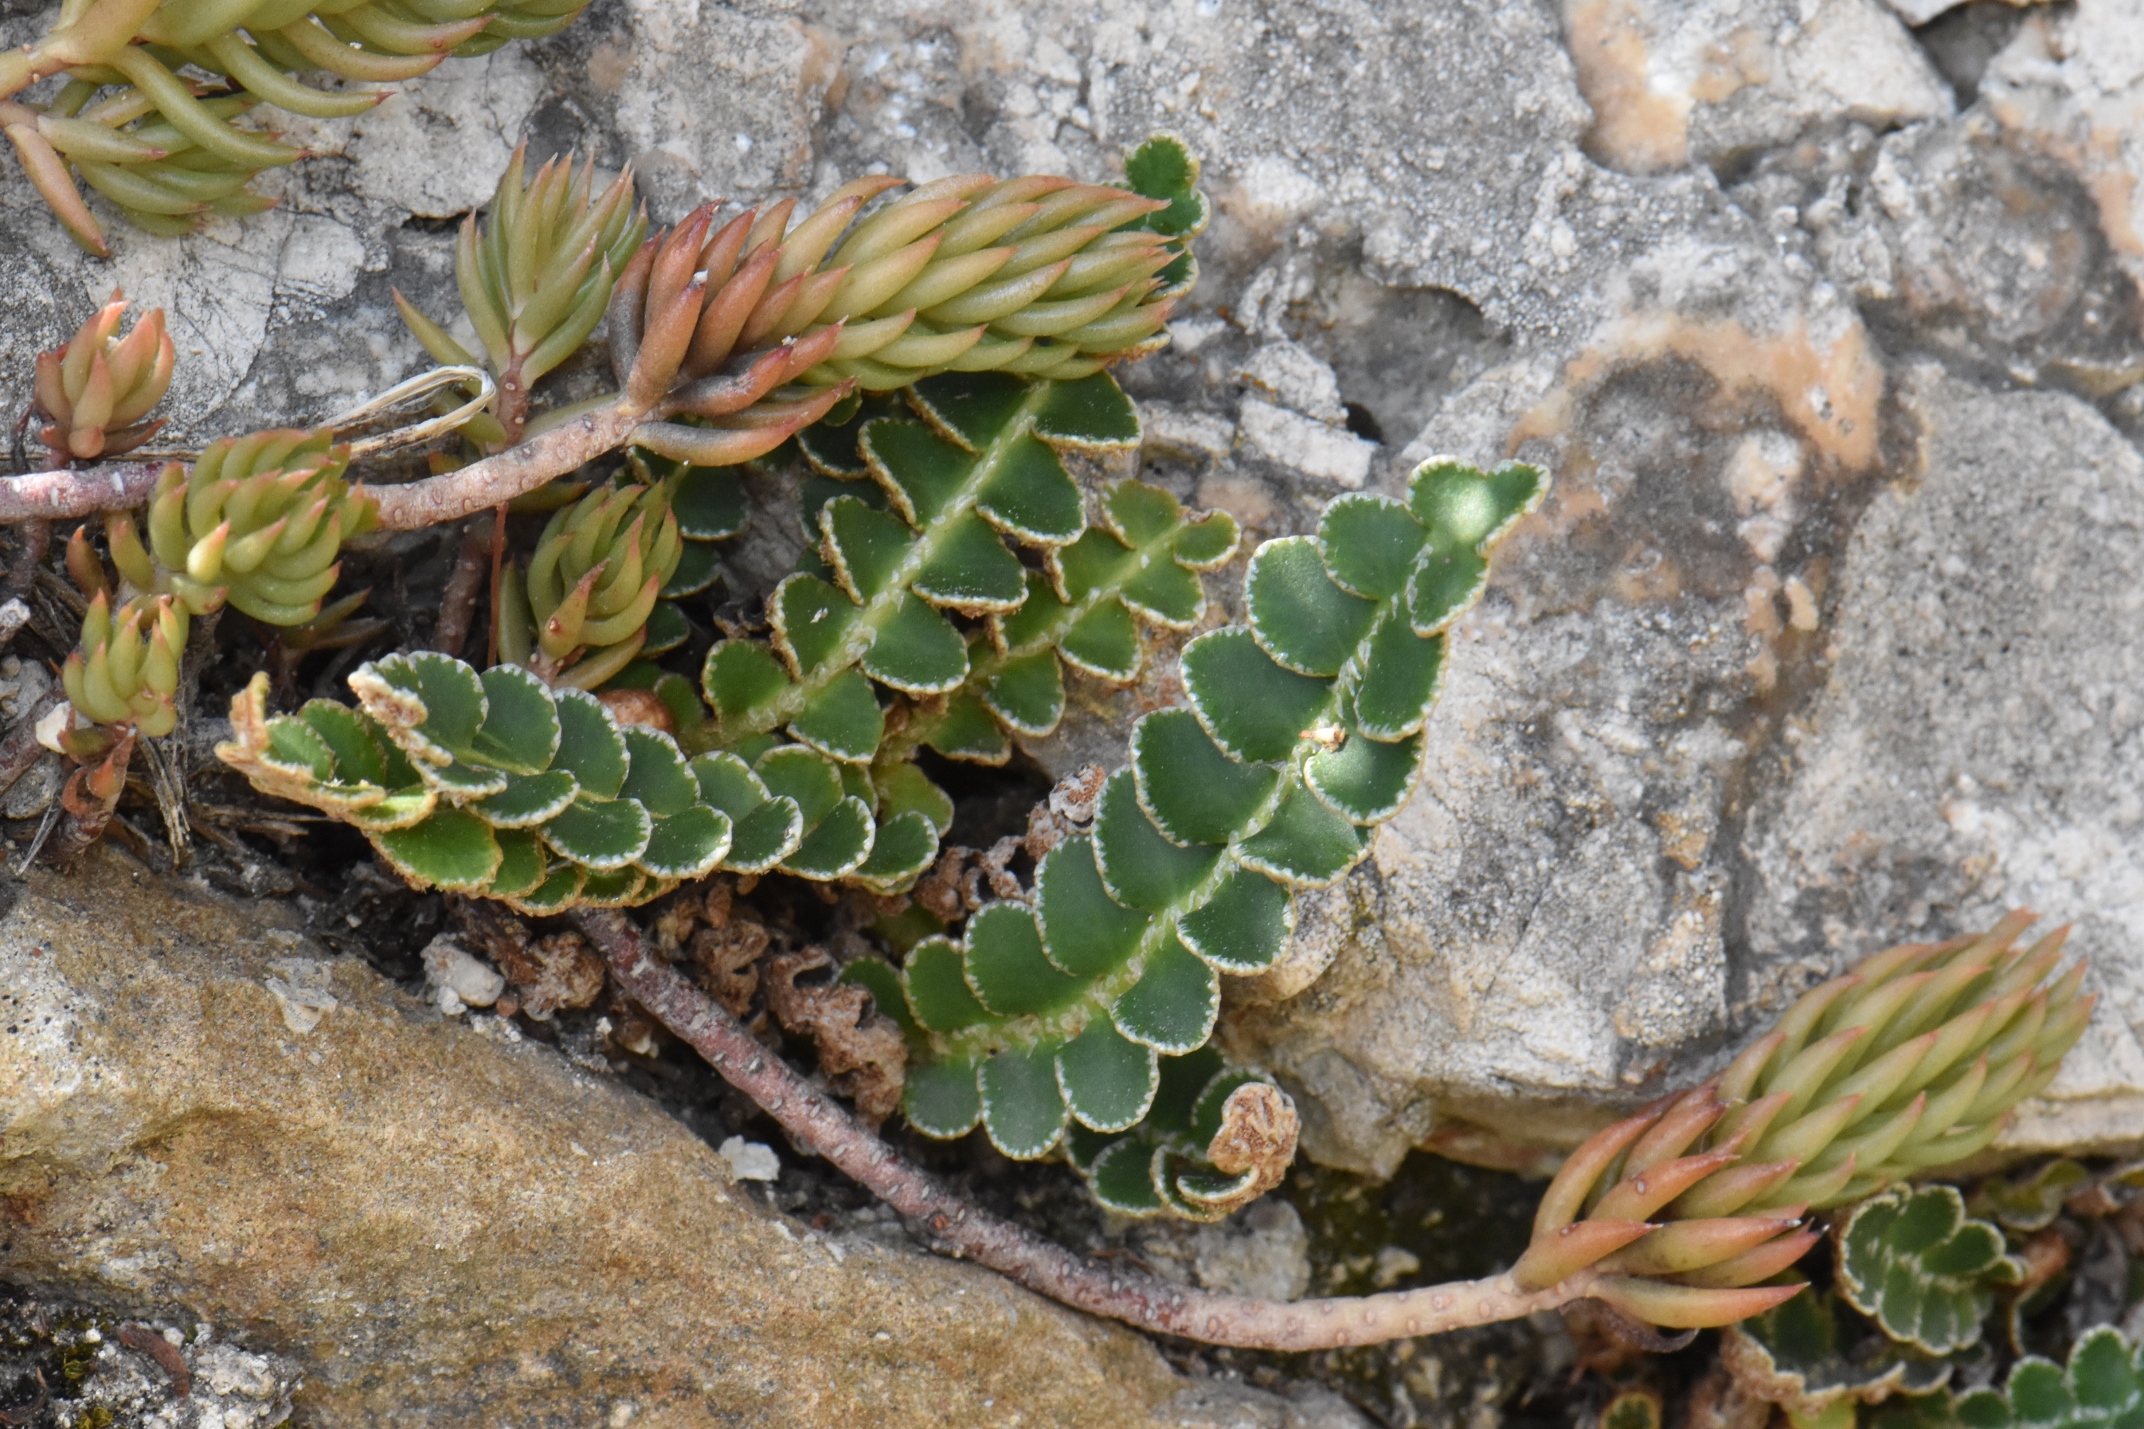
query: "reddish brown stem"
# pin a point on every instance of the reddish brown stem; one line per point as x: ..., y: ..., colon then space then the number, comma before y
x: 457, y: 603
x: 963, y: 1231
x: 498, y: 479
x: 121, y: 486
x: 32, y: 539
x: 498, y: 565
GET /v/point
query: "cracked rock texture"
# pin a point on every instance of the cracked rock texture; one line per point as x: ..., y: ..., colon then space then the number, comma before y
x: 1828, y: 328
x: 434, y: 1227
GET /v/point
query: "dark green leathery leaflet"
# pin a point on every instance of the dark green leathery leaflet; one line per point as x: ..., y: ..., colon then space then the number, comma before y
x: 1270, y: 781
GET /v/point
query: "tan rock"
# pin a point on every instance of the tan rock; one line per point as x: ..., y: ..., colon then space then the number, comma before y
x: 442, y: 1228
x: 1672, y: 81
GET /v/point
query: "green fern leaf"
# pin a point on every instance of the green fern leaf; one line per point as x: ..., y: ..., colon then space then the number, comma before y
x: 1225, y: 808
x: 1913, y: 1261
x: 1803, y: 1356
x: 495, y: 784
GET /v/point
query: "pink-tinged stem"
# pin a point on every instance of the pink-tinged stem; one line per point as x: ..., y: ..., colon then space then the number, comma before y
x: 48, y: 495
x: 498, y: 479
x: 480, y: 486
x: 963, y: 1231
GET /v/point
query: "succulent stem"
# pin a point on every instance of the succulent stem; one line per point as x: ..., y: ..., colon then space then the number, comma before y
x: 960, y: 1229
x: 1577, y: 1252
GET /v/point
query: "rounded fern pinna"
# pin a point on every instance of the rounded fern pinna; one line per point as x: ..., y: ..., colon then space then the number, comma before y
x: 1303, y: 733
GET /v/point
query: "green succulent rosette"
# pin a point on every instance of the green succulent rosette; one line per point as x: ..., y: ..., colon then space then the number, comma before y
x: 259, y: 521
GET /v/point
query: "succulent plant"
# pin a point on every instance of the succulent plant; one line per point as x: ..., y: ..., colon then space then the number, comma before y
x: 2101, y: 1387
x: 1303, y: 732
x: 258, y: 521
x: 1913, y: 1261
x: 96, y: 390
x: 535, y: 282
x: 752, y: 330
x: 1912, y: 1060
x: 125, y: 671
x: 501, y: 786
x: 1809, y: 1357
x: 162, y: 148
x: 577, y: 613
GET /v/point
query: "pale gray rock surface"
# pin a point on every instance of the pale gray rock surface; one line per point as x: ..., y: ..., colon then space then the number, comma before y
x: 1673, y: 82
x: 1979, y: 743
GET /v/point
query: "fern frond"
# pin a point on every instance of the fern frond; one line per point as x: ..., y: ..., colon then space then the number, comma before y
x: 498, y: 785
x: 1060, y: 1012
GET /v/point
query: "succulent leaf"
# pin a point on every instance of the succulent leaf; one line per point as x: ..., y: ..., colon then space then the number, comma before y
x: 537, y: 278
x: 1918, y: 1053
x: 776, y: 329
x: 579, y: 608
x: 96, y: 390
x: 163, y: 149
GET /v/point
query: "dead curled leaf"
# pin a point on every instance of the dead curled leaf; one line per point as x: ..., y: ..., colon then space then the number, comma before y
x: 728, y: 955
x: 964, y: 879
x: 1259, y: 1130
x: 548, y: 973
x: 859, y: 1047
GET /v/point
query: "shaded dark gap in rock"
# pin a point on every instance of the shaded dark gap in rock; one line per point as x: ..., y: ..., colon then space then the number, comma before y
x: 1961, y: 42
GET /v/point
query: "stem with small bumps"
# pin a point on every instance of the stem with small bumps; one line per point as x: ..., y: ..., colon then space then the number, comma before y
x: 965, y: 1232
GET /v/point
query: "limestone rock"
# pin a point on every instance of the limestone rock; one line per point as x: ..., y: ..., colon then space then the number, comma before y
x: 2071, y: 84
x: 1293, y: 377
x: 1678, y: 81
x: 1264, y: 1253
x: 1619, y: 863
x: 1974, y: 747
x: 441, y: 1228
x: 1305, y: 444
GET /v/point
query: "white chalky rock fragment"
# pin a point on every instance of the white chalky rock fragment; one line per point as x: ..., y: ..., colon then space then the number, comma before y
x: 1312, y: 447
x: 461, y: 980
x: 1296, y: 378
x: 1185, y: 431
x: 300, y: 988
x: 750, y: 1160
x: 1293, y: 416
